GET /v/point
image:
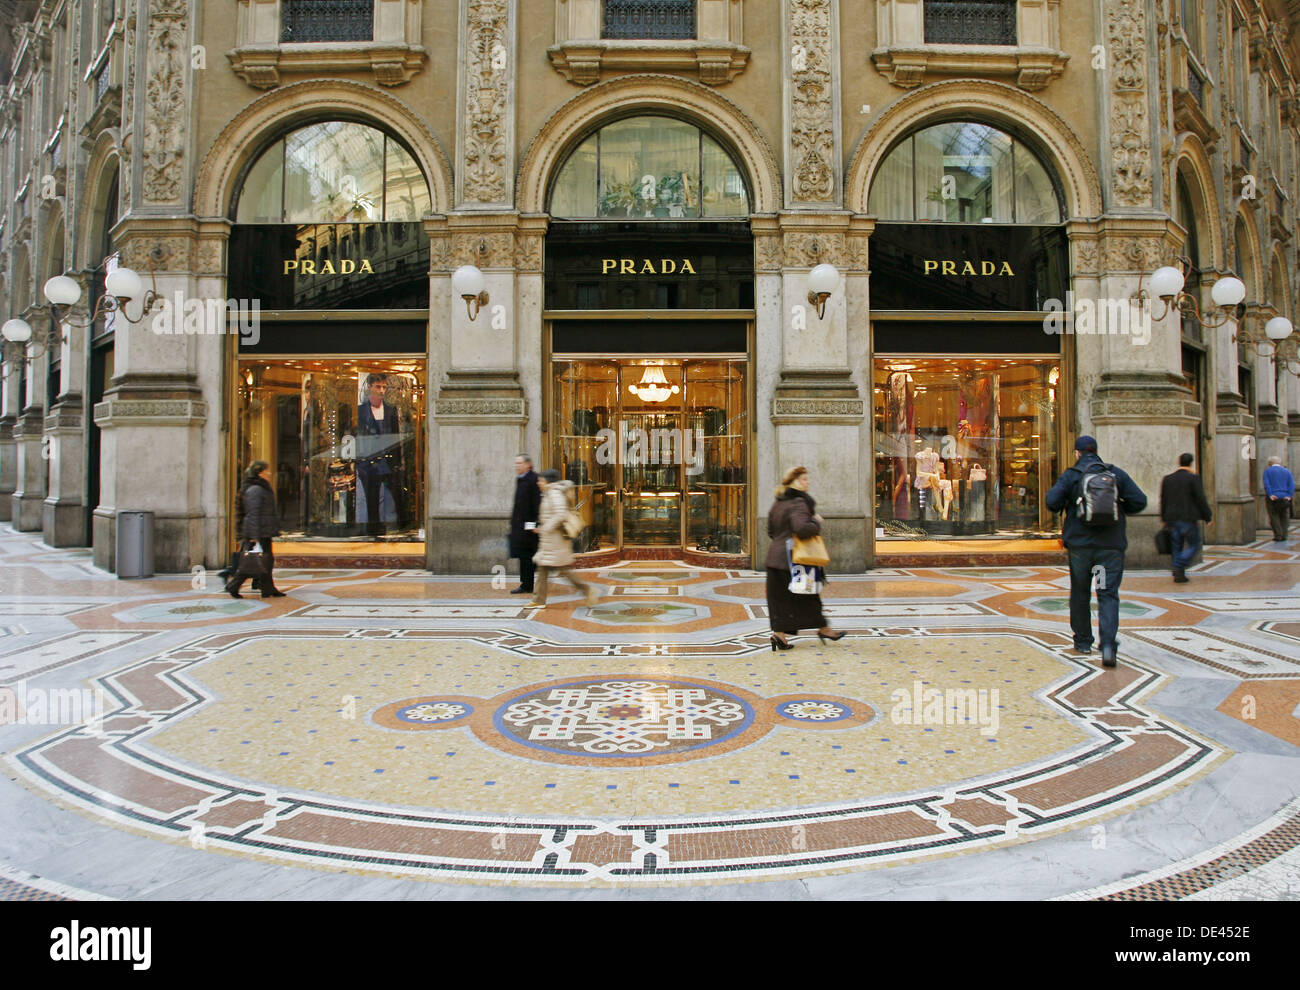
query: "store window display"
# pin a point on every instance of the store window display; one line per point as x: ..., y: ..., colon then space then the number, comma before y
x: 964, y: 446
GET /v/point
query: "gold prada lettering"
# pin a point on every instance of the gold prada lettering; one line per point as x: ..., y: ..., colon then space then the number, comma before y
x: 647, y: 266
x: 984, y: 268
x: 346, y: 266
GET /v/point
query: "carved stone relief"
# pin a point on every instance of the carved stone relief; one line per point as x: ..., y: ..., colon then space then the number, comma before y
x: 485, y: 250
x: 166, y: 64
x: 1130, y: 132
x: 487, y: 83
x: 812, y: 123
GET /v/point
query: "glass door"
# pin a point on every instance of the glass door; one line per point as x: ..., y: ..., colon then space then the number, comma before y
x: 651, y: 423
x: 586, y: 403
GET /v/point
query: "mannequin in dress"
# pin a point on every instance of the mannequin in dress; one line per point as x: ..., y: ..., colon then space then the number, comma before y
x: 927, y: 481
x: 944, y: 486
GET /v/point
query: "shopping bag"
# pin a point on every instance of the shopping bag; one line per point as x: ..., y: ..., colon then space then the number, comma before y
x: 811, y: 551
x: 805, y: 579
x: 1164, y: 542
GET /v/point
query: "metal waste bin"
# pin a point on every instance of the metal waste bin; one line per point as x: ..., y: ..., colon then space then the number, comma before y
x: 134, y: 544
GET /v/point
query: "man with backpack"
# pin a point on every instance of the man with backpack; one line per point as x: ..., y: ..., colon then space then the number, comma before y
x: 1095, y: 498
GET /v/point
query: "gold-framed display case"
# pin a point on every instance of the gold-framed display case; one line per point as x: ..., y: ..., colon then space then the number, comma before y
x: 345, y: 438
x: 657, y: 449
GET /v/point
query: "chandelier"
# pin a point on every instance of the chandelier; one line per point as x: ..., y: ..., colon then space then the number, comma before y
x: 653, y: 386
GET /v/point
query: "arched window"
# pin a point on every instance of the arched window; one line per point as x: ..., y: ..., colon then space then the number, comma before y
x: 334, y: 172
x: 649, y: 167
x: 964, y: 172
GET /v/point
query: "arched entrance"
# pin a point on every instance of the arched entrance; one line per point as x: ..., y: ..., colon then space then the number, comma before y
x: 648, y: 329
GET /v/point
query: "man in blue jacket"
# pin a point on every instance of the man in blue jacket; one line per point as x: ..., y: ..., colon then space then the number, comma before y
x: 1279, y: 488
x: 1094, y: 549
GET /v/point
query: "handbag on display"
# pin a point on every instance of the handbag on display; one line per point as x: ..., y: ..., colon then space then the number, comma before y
x: 252, y: 562
x: 810, y: 552
x: 1164, y: 542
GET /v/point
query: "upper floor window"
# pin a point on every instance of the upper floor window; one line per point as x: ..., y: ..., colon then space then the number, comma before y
x: 649, y: 19
x: 964, y: 172
x: 1189, y: 14
x: 970, y: 22
x: 649, y: 167
x: 334, y: 172
x: 327, y: 20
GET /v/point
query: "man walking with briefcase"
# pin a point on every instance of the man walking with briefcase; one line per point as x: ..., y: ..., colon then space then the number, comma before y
x: 1182, y: 507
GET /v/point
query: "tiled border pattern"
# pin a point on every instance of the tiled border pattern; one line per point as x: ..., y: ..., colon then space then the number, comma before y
x: 1134, y: 756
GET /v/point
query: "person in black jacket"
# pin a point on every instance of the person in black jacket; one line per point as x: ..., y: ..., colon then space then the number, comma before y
x: 379, y: 453
x: 259, y: 522
x: 523, y: 522
x: 793, y: 513
x: 1182, y: 507
x: 1096, y: 552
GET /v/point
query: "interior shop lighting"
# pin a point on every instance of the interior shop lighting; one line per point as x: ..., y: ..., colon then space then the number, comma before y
x: 468, y: 283
x: 653, y: 386
x: 822, y: 283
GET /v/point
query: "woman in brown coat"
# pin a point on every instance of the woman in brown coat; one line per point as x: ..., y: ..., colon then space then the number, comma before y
x: 794, y: 513
x: 555, y: 550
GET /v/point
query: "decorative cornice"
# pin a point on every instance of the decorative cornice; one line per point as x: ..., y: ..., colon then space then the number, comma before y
x: 150, y: 412
x: 263, y: 67
x: 583, y: 62
x: 908, y: 66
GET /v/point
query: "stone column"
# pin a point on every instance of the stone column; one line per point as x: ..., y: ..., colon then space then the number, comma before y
x: 29, y: 437
x: 1140, y: 411
x: 8, y: 448
x: 480, y: 412
x: 1235, y: 510
x: 64, y: 510
x: 816, y: 406
x: 154, y: 410
x: 1293, y: 427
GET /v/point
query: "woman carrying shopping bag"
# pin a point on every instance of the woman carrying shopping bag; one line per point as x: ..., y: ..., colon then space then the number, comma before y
x: 260, y: 523
x: 792, y: 520
x: 555, y: 543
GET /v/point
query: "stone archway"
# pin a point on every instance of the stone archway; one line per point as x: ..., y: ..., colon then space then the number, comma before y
x: 1193, y: 165
x: 992, y: 103
x: 304, y: 102
x: 694, y: 101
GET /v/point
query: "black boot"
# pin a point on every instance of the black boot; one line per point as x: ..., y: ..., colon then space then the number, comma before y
x: 1180, y: 576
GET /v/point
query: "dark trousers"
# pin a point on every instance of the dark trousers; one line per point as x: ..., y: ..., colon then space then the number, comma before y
x: 265, y: 582
x: 527, y: 570
x: 372, y: 485
x: 1108, y: 566
x: 1185, y: 541
x: 1279, y: 516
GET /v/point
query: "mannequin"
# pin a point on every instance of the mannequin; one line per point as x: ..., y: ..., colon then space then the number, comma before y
x: 927, y: 481
x: 944, y: 486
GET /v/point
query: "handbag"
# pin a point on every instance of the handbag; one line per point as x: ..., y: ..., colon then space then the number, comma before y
x: 811, y: 552
x: 252, y: 562
x: 572, y: 525
x: 1164, y: 542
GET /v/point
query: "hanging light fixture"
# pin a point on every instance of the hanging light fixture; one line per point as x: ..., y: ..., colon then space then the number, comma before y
x: 468, y: 283
x: 653, y: 386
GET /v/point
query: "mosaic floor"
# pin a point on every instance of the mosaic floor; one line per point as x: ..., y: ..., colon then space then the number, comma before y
x: 377, y: 728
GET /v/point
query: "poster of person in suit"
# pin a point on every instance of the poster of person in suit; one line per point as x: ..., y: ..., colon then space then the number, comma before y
x: 379, y: 442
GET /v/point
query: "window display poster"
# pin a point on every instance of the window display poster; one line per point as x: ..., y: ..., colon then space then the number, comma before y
x: 382, y: 430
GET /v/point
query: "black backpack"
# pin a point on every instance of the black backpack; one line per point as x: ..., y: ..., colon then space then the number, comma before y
x: 1096, y: 495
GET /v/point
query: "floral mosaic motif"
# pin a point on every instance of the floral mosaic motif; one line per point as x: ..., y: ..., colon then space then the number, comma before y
x: 1133, y: 610
x: 434, y: 711
x: 624, y: 718
x: 814, y: 711
x: 190, y: 611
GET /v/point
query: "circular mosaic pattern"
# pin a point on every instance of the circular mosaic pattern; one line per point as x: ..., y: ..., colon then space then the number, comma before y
x: 814, y: 711
x: 433, y: 711
x: 616, y: 718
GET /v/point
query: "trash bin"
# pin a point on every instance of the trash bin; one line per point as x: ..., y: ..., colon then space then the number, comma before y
x: 134, y: 544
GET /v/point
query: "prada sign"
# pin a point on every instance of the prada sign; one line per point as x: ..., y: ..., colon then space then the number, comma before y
x: 967, y: 266
x: 646, y: 266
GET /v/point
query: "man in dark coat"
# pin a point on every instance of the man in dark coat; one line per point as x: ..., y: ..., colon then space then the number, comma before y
x: 523, y: 522
x: 1182, y: 507
x: 378, y: 451
x: 1094, y: 550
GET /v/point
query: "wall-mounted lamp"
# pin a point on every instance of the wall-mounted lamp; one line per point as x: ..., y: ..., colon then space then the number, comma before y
x: 822, y: 283
x: 468, y: 283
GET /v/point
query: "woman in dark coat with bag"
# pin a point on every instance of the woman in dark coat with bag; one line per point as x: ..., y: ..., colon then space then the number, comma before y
x: 794, y: 513
x: 258, y: 522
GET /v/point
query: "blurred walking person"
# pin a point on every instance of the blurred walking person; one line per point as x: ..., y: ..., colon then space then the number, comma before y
x: 555, y: 550
x: 793, y: 514
x: 1182, y: 507
x: 259, y: 522
x: 1279, y: 489
x: 523, y: 522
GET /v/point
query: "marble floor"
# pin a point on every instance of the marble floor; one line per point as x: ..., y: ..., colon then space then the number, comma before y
x: 401, y: 735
